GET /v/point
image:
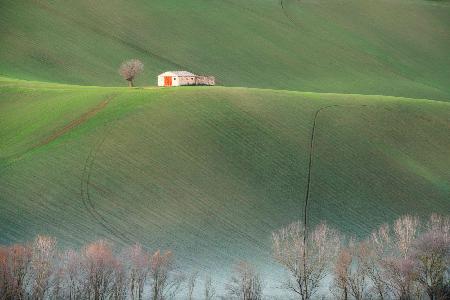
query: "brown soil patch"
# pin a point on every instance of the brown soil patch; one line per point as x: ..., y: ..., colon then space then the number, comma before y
x: 83, y: 118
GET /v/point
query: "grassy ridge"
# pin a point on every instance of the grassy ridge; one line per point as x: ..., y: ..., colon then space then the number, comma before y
x: 377, y: 47
x: 210, y: 172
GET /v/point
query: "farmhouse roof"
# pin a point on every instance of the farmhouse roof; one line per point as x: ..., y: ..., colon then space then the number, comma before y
x: 177, y: 73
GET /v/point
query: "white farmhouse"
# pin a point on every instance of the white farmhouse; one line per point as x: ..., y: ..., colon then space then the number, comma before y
x: 180, y: 78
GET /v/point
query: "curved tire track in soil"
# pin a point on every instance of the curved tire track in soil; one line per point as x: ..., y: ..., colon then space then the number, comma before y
x: 85, y: 194
x: 310, y: 161
x: 283, y: 8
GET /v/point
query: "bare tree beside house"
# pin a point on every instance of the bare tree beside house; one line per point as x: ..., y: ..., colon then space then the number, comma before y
x: 245, y: 283
x: 130, y: 69
x: 307, y: 256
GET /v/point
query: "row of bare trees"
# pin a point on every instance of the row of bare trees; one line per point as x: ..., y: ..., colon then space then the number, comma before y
x: 408, y: 260
x: 39, y: 271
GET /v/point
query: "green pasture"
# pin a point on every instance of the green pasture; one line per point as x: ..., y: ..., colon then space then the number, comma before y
x: 210, y: 172
x: 398, y: 47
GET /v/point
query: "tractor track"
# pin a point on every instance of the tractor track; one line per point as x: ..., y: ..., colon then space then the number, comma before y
x: 310, y: 160
x: 284, y: 10
x: 85, y: 192
x: 77, y: 122
x: 308, y: 182
x: 60, y: 132
x: 86, y: 197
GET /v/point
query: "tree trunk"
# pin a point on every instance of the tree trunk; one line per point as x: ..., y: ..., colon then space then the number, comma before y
x: 130, y: 83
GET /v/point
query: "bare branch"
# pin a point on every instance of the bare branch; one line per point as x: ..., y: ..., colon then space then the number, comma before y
x: 308, y: 263
x: 210, y: 291
x: 245, y: 284
x: 43, y: 258
x: 130, y: 69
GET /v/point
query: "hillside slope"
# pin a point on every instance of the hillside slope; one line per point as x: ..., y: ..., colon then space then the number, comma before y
x: 398, y: 47
x: 210, y: 172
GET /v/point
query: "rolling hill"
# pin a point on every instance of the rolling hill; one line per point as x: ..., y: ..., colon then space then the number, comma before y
x: 397, y: 48
x: 211, y: 172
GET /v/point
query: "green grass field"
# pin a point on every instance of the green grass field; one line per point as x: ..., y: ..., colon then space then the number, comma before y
x: 210, y: 172
x: 397, y: 48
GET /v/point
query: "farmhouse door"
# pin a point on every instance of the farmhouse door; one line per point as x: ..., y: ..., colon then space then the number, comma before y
x: 167, y: 80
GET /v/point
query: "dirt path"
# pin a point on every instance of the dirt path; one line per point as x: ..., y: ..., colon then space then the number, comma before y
x: 83, y: 118
x: 60, y: 132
